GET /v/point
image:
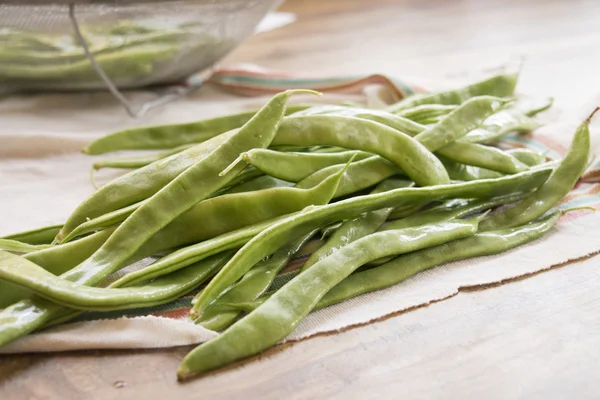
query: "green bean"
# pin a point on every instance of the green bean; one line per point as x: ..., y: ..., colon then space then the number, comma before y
x: 459, y: 122
x: 259, y: 183
x: 407, y: 265
x: 426, y: 111
x: 170, y: 136
x: 356, y: 228
x: 170, y: 202
x: 19, y: 271
x: 43, y: 235
x: 252, y: 285
x: 501, y: 123
x: 554, y: 189
x: 285, y: 309
x: 19, y: 247
x: 293, y: 167
x: 414, y: 159
x: 482, y: 156
x: 531, y: 107
x: 359, y: 175
x: 317, y: 216
x: 462, y: 172
x: 406, y: 210
x: 527, y: 156
x: 137, y: 162
x: 451, y: 209
x: 499, y: 85
x: 393, y: 121
x: 56, y: 260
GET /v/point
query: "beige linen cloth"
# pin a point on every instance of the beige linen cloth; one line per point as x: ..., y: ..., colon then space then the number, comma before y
x: 43, y: 177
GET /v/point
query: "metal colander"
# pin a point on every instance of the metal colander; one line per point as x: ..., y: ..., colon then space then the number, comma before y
x: 94, y: 44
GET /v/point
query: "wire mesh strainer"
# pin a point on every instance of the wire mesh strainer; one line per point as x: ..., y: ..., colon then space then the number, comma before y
x: 95, y: 44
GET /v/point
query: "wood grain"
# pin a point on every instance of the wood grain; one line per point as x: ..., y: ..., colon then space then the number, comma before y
x: 535, y: 338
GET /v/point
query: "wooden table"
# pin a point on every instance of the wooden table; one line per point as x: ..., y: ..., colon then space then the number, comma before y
x: 534, y: 338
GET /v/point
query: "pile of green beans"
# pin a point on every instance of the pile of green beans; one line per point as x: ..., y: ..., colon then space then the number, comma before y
x: 226, y: 203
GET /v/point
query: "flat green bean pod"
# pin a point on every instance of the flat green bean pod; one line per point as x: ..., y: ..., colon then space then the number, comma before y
x: 285, y: 230
x: 499, y: 85
x: 414, y: 159
x: 407, y: 265
x: 44, y: 235
x: 358, y: 175
x: 252, y: 285
x: 426, y: 111
x: 501, y: 123
x: 18, y: 270
x: 561, y: 181
x: 174, y: 135
x: 527, y: 156
x: 19, y: 247
x: 137, y: 162
x: 292, y: 166
x: 459, y: 122
x: 285, y: 309
x: 482, y: 156
x: 355, y: 228
x: 463, y: 172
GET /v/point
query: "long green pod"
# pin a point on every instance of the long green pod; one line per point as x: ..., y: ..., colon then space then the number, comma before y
x: 527, y: 156
x: 499, y: 124
x: 137, y: 162
x: 532, y: 106
x: 482, y: 156
x: 358, y: 175
x: 355, y: 133
x: 170, y: 136
x: 355, y: 228
x: 278, y: 316
x: 287, y: 229
x: 562, y: 180
x: 393, y: 121
x: 44, y: 235
x: 252, y: 285
x: 407, y: 265
x: 424, y: 112
x: 19, y: 247
x: 20, y: 271
x: 463, y: 172
x: 292, y: 166
x: 500, y: 86
x: 56, y: 260
x: 259, y: 183
x: 170, y: 202
x: 459, y: 122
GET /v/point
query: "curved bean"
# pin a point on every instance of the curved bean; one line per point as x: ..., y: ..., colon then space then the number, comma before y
x: 358, y: 175
x: 21, y: 272
x: 44, y: 235
x: 174, y: 135
x: 466, y: 117
x: 15, y: 246
x: 137, y: 162
x: 252, y: 285
x: 499, y: 86
x: 527, y: 156
x: 355, y: 228
x: 501, y: 123
x: 482, y: 156
x: 407, y: 265
x: 293, y: 167
x: 282, y: 312
x: 414, y: 159
x: 426, y: 111
x: 281, y: 232
x: 462, y: 172
x: 561, y: 181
